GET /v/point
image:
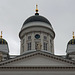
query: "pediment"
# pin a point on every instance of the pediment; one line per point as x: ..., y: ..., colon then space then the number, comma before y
x: 37, y: 58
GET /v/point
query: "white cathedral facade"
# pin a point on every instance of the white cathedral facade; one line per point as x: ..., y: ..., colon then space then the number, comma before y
x: 37, y: 51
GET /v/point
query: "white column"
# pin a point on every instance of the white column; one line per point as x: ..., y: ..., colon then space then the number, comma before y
x: 53, y: 47
x: 48, y: 39
x: 25, y: 44
x: 33, y: 42
x: 42, y: 40
x: 20, y: 48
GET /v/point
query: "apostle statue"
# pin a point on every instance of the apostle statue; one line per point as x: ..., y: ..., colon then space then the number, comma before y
x: 39, y: 46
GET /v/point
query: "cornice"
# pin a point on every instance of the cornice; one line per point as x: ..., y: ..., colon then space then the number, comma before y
x: 42, y: 53
x: 39, y: 68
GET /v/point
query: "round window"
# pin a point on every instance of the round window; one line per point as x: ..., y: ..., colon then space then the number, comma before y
x: 37, y: 36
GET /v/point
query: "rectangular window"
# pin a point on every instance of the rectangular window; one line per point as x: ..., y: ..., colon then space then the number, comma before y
x: 45, y: 38
x: 29, y: 37
x: 45, y: 46
x: 29, y: 46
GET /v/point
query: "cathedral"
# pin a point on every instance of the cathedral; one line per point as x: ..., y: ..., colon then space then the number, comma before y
x: 37, y: 51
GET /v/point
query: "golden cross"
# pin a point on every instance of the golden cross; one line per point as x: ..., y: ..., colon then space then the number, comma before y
x: 73, y: 35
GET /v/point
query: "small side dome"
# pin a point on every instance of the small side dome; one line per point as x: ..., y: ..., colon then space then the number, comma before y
x: 72, y: 41
x: 71, y: 45
x: 3, y: 41
x: 71, y: 49
x: 4, y: 49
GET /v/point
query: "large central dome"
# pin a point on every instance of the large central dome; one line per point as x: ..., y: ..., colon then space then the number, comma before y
x: 36, y: 18
x: 37, y: 34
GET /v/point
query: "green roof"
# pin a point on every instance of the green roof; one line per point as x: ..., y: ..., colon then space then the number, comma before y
x: 3, y: 41
x: 72, y: 41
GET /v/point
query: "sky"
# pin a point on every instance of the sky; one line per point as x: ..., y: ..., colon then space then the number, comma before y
x: 60, y: 13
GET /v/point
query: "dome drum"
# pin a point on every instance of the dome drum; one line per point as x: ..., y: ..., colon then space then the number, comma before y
x: 37, y: 29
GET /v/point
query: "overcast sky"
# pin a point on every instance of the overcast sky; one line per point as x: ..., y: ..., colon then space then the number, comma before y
x: 60, y: 13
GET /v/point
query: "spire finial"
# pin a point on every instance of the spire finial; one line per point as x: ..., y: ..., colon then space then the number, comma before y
x: 73, y: 35
x: 1, y: 35
x: 36, y: 8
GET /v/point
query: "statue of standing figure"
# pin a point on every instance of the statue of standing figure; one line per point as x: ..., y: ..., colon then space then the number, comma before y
x: 39, y: 46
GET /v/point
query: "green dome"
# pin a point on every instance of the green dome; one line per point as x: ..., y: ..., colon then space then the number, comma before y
x: 72, y: 41
x: 36, y: 18
x: 3, y: 41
